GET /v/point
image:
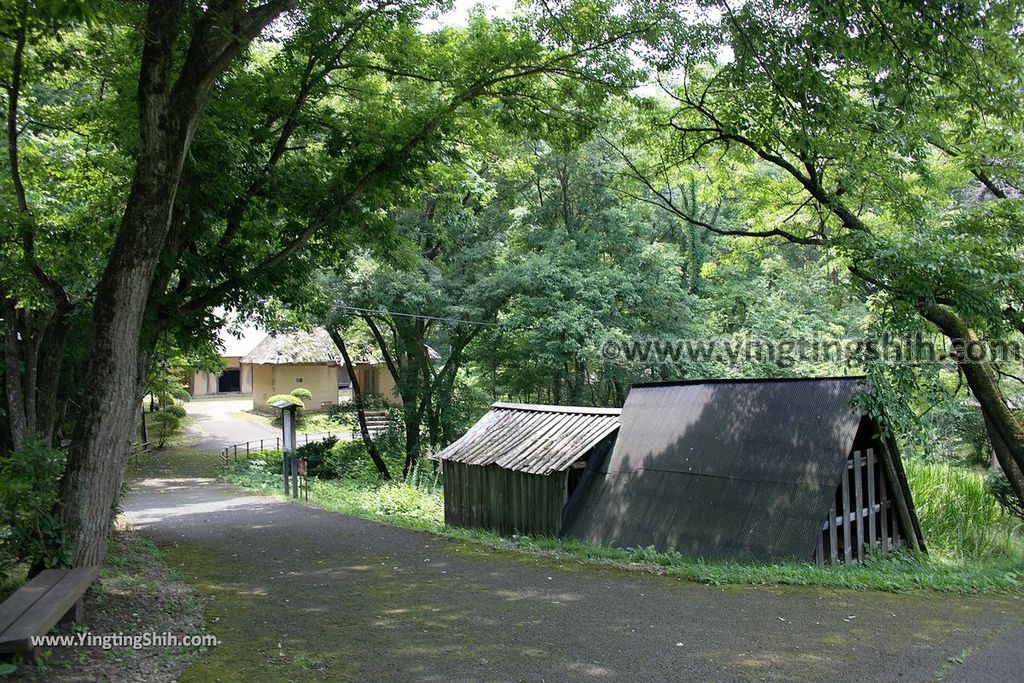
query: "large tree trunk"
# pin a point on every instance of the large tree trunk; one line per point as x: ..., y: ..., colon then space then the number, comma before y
x: 17, y: 420
x: 169, y: 111
x: 974, y: 362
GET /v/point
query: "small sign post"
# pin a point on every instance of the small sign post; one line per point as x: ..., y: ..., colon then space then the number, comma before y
x: 288, y: 465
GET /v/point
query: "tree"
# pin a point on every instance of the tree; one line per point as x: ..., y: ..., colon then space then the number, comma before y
x: 448, y: 290
x: 888, y: 134
x: 260, y: 135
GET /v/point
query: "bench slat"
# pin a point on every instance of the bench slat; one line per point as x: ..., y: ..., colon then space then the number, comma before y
x: 26, y: 596
x: 54, y: 604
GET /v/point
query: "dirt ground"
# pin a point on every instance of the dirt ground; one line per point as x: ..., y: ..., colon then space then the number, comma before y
x: 136, y: 593
x: 297, y: 593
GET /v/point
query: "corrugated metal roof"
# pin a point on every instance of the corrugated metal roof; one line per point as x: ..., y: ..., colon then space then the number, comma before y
x: 727, y: 469
x: 536, y: 439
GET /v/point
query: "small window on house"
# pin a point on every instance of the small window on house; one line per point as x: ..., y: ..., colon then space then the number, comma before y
x: 298, y: 380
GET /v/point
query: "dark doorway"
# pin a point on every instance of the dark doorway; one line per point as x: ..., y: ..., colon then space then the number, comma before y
x: 230, y: 380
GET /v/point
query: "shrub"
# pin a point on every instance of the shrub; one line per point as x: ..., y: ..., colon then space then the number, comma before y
x: 350, y: 460
x: 315, y: 453
x: 163, y: 426
x: 176, y: 410
x: 999, y: 486
x: 287, y: 398
x: 303, y: 394
x: 30, y: 532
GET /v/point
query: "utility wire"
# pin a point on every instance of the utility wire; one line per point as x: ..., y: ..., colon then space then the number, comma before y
x: 414, y: 316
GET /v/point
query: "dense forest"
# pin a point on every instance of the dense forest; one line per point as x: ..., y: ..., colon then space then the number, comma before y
x: 544, y: 208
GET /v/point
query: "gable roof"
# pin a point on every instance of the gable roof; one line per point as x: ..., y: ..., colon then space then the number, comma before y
x: 536, y: 439
x: 744, y: 469
x: 294, y: 348
x: 314, y: 347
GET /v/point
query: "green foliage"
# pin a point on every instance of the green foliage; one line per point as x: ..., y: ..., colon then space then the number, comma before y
x: 303, y: 394
x: 316, y: 453
x: 29, y: 526
x: 997, y: 484
x: 960, y: 519
x: 163, y: 426
x: 350, y: 460
x: 287, y: 398
x: 417, y: 506
x: 176, y: 410
x: 316, y: 423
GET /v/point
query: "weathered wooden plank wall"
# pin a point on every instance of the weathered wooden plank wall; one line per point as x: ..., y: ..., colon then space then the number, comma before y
x: 502, y: 500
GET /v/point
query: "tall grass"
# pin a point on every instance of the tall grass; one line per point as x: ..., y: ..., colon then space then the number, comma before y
x: 959, y: 518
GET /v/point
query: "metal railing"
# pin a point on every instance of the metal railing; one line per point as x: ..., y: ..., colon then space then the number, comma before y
x: 376, y: 422
x: 230, y: 453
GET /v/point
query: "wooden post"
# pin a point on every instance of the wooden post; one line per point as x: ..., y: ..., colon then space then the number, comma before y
x: 883, y: 513
x: 858, y: 497
x: 833, y: 541
x: 872, y: 536
x: 902, y: 507
x: 846, y: 516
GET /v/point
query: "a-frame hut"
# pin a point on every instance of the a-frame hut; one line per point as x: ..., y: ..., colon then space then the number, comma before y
x: 757, y: 470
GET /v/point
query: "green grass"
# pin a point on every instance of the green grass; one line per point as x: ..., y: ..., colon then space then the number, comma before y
x: 416, y: 504
x: 960, y: 519
x: 991, y: 563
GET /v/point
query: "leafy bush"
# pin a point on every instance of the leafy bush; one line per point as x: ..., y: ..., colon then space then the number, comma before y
x: 999, y: 486
x: 163, y: 426
x: 959, y: 517
x: 315, y: 454
x: 176, y: 410
x: 287, y: 398
x: 350, y: 460
x: 30, y: 532
x: 303, y: 394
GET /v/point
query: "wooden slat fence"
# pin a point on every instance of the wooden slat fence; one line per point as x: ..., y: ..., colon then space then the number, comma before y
x: 864, y: 513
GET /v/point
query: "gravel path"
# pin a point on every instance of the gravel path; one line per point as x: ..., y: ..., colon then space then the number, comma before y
x: 222, y: 422
x: 303, y: 594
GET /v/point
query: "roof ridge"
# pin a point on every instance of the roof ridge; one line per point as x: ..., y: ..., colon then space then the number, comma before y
x: 747, y: 380
x: 547, y: 408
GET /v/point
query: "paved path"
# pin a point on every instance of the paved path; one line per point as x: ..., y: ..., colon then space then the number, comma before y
x: 223, y: 422
x: 303, y: 594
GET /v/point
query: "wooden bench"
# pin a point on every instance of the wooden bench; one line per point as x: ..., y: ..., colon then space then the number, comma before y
x: 54, y: 595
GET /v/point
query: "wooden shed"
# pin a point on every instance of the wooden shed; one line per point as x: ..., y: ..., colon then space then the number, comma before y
x: 759, y: 470
x: 515, y: 470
